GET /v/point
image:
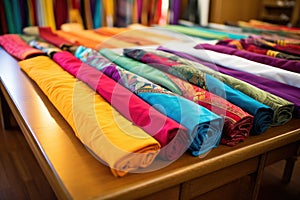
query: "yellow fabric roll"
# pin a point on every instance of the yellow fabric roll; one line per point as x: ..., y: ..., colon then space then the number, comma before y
x: 108, y: 135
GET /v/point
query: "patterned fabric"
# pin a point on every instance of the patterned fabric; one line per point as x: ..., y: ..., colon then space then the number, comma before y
x: 282, y: 109
x: 161, y: 127
x: 199, y: 121
x: 290, y: 65
x: 98, y: 126
x: 18, y: 48
x: 45, y: 47
x: 243, y: 45
x: 262, y: 114
x: 141, y: 69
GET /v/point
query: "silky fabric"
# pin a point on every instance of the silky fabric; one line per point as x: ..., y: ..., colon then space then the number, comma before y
x: 289, y: 65
x: 98, y: 126
x: 263, y: 114
x: 172, y: 105
x: 242, y: 45
x: 127, y: 36
x: 284, y: 91
x: 241, y: 64
x: 18, y: 48
x: 128, y: 104
x: 141, y: 69
x: 288, y: 48
x: 237, y: 122
x: 194, y: 32
x: 282, y: 109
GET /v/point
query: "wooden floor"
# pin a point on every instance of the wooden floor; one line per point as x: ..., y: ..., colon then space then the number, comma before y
x: 22, y: 178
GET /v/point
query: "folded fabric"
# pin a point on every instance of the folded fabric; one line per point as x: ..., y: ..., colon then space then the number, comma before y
x: 128, y: 104
x: 263, y: 114
x: 172, y: 105
x: 288, y: 48
x: 51, y: 37
x: 243, y: 45
x: 109, y: 136
x: 241, y: 64
x: 18, y: 48
x: 290, y: 65
x: 237, y: 124
x: 283, y: 109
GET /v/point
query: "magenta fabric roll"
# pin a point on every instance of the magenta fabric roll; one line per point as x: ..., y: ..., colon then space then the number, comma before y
x: 289, y: 65
x: 163, y: 129
x: 17, y: 47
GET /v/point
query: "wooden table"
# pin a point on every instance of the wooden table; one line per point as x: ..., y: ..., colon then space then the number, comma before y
x: 233, y: 172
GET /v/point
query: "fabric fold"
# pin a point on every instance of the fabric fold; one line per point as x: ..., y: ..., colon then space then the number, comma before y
x: 238, y: 123
x: 107, y: 135
x: 18, y: 48
x: 263, y: 114
x: 172, y: 105
x: 161, y: 127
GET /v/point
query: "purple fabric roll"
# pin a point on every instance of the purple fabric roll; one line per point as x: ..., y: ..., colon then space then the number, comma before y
x: 175, y: 6
x: 289, y: 65
x: 284, y: 91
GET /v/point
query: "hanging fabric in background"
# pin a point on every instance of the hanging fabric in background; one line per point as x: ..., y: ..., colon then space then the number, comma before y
x: 108, y: 10
x: 60, y: 12
x: 124, y: 10
x: 96, y: 8
x: 174, y: 11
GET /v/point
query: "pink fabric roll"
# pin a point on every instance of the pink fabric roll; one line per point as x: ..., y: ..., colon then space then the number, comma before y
x: 17, y: 47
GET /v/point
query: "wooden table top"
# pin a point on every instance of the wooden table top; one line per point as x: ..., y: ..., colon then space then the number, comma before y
x: 74, y: 173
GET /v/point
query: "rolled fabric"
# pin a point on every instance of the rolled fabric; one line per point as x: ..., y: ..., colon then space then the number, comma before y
x: 44, y: 46
x: 243, y: 45
x: 263, y: 114
x: 264, y: 93
x: 290, y: 65
x: 288, y: 48
x: 106, y: 134
x: 172, y: 105
x: 51, y: 37
x: 18, y: 48
x: 237, y: 124
x: 242, y: 64
x: 141, y: 69
x: 128, y: 104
